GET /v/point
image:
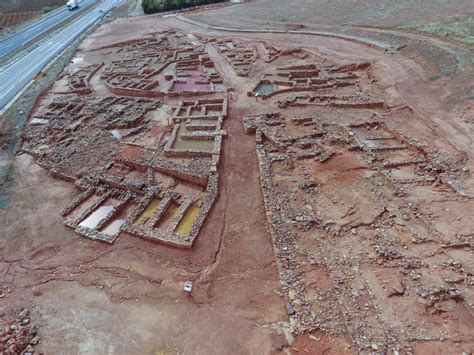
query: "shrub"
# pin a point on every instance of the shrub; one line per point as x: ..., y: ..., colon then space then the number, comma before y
x: 153, y: 6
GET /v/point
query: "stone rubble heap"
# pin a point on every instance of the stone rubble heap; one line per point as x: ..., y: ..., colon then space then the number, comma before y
x: 18, y: 335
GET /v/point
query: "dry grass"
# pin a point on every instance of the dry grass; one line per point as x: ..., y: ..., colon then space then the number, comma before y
x: 17, y: 6
x: 17, y: 18
x: 381, y: 13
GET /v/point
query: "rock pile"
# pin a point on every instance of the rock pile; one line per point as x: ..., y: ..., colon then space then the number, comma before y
x: 18, y: 335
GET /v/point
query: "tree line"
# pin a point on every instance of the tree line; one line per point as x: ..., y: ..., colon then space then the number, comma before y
x: 153, y: 6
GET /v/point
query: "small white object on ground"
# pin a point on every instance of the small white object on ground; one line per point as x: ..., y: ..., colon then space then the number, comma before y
x: 188, y: 286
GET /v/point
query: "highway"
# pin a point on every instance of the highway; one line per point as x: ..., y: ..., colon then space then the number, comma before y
x: 17, y: 74
x: 38, y: 27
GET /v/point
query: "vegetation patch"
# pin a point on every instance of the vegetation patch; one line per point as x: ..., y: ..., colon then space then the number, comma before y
x: 460, y: 28
x: 48, y: 8
x: 154, y: 6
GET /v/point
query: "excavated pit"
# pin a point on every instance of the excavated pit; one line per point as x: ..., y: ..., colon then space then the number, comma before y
x: 216, y: 157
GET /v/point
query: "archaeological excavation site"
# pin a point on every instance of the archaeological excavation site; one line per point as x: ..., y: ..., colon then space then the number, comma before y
x: 205, y: 183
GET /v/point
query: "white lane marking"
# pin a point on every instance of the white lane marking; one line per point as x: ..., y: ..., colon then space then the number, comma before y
x: 88, y: 20
x: 42, y: 22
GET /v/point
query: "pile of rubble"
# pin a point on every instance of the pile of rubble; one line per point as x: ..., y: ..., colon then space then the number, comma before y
x: 18, y: 335
x: 241, y: 55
